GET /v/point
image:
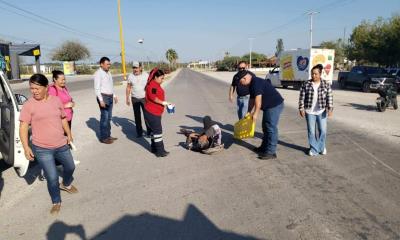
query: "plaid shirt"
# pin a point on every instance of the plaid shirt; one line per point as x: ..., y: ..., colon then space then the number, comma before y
x: 325, y: 96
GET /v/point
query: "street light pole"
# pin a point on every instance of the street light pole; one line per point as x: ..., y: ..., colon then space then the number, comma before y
x: 121, y: 37
x: 251, y: 49
x: 311, y: 26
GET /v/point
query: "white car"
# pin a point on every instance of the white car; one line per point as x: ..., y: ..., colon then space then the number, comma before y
x: 273, y: 77
x: 11, y: 150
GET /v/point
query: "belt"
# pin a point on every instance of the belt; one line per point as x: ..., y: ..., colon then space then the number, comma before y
x: 110, y: 95
x: 243, y: 96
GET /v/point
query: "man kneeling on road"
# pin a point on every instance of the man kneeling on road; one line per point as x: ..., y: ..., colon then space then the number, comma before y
x: 263, y: 96
x: 209, y: 141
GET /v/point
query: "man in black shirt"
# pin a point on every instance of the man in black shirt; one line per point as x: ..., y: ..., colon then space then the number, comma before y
x: 263, y: 96
x: 242, y: 92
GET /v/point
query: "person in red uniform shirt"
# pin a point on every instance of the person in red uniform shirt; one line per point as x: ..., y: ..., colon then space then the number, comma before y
x: 154, y: 108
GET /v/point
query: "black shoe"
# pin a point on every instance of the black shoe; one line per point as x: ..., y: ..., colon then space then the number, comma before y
x: 163, y: 154
x: 267, y: 156
x: 258, y: 149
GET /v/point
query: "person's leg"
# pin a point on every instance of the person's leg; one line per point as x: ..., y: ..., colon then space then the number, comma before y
x: 136, y: 104
x: 239, y: 102
x: 273, y: 115
x: 311, y: 120
x: 109, y: 108
x: 156, y: 128
x: 103, y: 123
x: 63, y: 155
x: 46, y: 160
x: 263, y: 147
x: 322, y: 127
x: 148, y: 120
x: 142, y: 102
x: 245, y: 108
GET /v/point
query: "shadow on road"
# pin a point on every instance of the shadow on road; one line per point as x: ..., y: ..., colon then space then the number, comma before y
x: 129, y: 129
x: 194, y: 225
x: 94, y: 124
x: 1, y: 183
x: 60, y: 230
x: 371, y: 108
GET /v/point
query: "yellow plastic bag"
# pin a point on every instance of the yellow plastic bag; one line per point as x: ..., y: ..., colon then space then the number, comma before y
x: 244, y: 128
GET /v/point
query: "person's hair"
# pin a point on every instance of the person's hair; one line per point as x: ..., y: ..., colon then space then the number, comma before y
x: 241, y: 63
x: 155, y: 73
x: 39, y: 79
x: 103, y: 59
x: 56, y: 74
x: 319, y: 67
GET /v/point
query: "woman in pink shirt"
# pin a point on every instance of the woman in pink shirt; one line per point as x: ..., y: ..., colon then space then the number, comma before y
x: 59, y: 89
x: 50, y: 138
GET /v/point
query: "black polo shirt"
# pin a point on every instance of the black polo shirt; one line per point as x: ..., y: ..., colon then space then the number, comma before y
x: 241, y: 90
x: 270, y: 96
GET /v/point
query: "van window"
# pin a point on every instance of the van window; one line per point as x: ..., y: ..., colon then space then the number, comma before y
x: 5, y: 113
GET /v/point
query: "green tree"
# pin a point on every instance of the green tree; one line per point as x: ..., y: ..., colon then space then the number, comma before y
x: 339, y: 48
x: 377, y: 42
x: 70, y: 51
x: 257, y: 59
x: 171, y: 56
x: 279, y: 47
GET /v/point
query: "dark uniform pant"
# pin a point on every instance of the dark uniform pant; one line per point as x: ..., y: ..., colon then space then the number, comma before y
x: 154, y: 122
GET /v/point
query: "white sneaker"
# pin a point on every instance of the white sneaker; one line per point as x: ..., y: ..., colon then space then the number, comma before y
x: 324, y: 152
x: 310, y: 153
x: 76, y: 162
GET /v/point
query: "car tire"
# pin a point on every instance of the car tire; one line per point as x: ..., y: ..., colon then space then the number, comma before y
x: 395, y: 104
x: 365, y: 87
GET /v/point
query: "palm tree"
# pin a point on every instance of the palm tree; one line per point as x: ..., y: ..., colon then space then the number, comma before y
x: 171, y: 56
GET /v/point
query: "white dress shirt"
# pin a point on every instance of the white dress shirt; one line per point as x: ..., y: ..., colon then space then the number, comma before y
x: 103, y: 83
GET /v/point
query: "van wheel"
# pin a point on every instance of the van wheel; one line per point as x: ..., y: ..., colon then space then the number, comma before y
x: 365, y: 87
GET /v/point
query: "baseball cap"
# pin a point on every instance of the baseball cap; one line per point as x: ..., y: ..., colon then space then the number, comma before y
x: 135, y: 64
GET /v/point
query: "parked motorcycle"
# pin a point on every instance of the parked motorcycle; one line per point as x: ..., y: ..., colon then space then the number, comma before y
x: 387, y: 95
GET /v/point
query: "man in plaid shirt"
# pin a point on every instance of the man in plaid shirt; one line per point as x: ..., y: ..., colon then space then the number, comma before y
x: 315, y: 104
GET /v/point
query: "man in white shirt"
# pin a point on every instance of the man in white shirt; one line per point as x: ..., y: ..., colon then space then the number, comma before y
x: 135, y: 93
x: 104, y: 89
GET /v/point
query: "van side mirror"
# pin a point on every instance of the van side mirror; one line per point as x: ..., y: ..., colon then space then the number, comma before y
x: 21, y: 99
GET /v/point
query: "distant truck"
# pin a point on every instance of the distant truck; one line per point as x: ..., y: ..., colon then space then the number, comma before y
x: 362, y: 77
x: 295, y: 67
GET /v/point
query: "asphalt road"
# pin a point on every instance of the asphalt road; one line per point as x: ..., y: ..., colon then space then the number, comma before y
x: 127, y: 193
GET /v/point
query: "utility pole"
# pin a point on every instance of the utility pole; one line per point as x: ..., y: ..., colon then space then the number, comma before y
x: 251, y: 49
x: 311, y: 26
x: 121, y: 37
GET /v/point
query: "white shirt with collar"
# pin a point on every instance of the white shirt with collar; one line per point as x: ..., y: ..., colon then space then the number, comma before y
x: 138, y: 84
x: 103, y: 83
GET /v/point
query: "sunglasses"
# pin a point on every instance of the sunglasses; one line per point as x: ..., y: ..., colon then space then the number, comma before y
x: 241, y: 68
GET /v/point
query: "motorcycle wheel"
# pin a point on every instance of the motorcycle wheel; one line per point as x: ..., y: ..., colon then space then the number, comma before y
x: 395, y: 105
x: 381, y: 106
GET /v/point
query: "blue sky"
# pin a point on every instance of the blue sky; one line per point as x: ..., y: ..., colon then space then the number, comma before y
x: 195, y: 29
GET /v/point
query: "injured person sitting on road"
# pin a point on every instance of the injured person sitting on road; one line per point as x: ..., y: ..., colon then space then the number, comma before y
x: 208, y: 142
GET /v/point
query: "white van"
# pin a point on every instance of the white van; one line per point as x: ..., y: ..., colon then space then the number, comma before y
x: 11, y: 150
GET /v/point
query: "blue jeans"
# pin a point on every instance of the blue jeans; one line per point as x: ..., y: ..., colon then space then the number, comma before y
x: 243, y: 106
x: 105, y: 117
x: 316, y: 145
x: 270, y: 128
x: 47, y: 160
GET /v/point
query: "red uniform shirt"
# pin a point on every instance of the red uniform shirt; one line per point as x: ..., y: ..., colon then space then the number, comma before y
x: 153, y: 91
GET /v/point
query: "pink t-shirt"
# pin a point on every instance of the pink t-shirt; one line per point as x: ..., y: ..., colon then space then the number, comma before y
x: 45, y: 118
x: 65, y: 98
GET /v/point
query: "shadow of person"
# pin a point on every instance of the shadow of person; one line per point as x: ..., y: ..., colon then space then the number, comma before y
x: 94, y: 124
x: 59, y: 230
x: 129, y: 130
x: 194, y: 225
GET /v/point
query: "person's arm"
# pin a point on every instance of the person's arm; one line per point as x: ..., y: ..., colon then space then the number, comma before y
x: 301, y: 100
x: 257, y: 107
x: 97, y: 89
x: 250, y: 108
x: 329, y: 100
x: 231, y: 91
x: 23, y: 135
x: 128, y: 93
x: 152, y: 96
x: 67, y: 130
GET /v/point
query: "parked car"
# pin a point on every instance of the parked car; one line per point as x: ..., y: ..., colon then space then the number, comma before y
x: 362, y: 77
x: 11, y: 150
x: 395, y: 72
